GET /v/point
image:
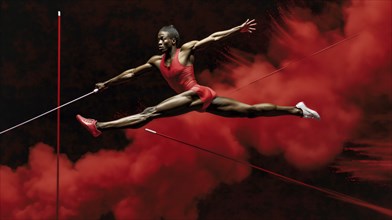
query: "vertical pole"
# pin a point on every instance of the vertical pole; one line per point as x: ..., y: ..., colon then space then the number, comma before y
x: 58, y: 117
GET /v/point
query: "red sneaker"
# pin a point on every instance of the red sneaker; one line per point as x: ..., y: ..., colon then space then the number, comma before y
x: 90, y: 125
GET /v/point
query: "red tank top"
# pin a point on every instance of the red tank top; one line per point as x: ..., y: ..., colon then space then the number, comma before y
x: 180, y: 77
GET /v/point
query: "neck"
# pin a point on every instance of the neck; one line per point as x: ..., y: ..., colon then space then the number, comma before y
x: 170, y: 52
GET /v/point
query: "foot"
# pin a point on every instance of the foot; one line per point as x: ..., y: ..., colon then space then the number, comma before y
x: 90, y: 125
x: 307, y: 112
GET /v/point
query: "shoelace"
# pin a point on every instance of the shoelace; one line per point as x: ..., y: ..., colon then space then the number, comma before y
x: 88, y: 120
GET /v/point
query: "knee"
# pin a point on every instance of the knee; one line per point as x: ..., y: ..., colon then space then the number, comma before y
x: 252, y: 112
x: 149, y: 114
x: 149, y: 110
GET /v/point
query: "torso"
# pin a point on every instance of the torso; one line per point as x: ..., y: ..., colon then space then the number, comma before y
x: 178, y: 71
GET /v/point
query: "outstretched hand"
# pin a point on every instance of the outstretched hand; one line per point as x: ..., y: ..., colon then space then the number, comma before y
x: 248, y: 26
x: 100, y: 86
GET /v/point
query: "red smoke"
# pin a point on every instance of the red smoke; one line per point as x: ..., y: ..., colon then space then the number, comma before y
x: 154, y: 177
x: 151, y: 178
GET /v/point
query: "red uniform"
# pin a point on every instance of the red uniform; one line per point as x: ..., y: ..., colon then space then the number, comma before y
x: 181, y: 78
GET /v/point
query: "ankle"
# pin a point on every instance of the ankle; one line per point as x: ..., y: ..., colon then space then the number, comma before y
x: 98, y: 125
x: 298, y: 112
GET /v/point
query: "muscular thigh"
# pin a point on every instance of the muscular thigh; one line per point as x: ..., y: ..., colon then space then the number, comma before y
x: 179, y: 104
x: 228, y: 107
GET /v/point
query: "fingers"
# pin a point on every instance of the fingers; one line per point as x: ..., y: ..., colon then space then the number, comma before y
x: 251, y: 21
x: 249, y: 25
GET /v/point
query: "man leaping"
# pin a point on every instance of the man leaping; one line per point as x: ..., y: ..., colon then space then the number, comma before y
x: 176, y: 65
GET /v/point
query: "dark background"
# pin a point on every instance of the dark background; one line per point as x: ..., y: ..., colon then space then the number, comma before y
x: 103, y: 38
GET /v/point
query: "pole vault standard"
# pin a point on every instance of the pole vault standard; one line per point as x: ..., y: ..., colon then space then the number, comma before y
x: 328, y: 192
x: 58, y: 116
x: 58, y: 88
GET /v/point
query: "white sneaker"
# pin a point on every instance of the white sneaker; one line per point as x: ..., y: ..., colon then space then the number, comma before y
x: 307, y: 112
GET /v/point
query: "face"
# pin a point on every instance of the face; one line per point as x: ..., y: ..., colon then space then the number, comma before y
x: 164, y: 41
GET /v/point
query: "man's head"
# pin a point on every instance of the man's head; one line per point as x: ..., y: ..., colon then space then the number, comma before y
x: 168, y: 36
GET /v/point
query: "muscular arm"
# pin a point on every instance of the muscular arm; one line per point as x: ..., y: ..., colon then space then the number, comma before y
x: 247, y: 26
x: 128, y: 74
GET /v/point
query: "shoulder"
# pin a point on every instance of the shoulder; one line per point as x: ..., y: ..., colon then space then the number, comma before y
x: 155, y: 60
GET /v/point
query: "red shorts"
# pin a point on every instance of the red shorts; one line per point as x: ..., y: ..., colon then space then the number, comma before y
x: 206, y: 95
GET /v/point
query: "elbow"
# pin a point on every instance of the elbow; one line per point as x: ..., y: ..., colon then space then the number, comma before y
x: 215, y: 37
x: 129, y: 74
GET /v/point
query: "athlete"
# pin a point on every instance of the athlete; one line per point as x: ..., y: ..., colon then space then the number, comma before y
x: 176, y: 65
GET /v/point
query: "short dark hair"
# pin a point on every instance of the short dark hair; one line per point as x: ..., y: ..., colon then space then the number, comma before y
x: 172, y: 32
